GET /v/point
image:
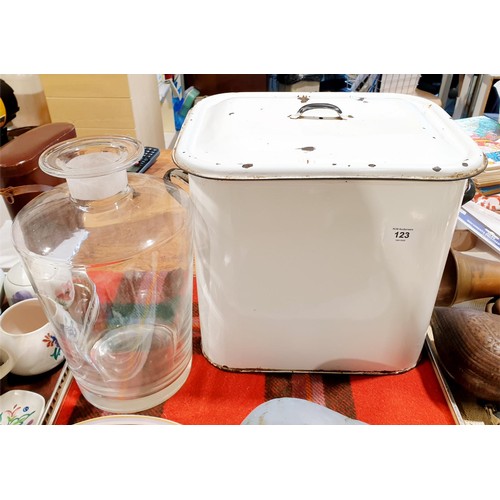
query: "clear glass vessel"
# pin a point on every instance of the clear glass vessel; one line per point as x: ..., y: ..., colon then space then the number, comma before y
x: 109, y: 253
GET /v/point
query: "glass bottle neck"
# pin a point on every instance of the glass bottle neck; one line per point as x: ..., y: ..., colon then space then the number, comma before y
x: 97, y: 188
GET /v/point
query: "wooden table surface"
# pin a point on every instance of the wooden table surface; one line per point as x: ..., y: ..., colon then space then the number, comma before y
x: 162, y: 164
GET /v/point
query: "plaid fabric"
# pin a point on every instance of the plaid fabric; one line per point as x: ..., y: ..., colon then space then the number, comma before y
x: 213, y: 396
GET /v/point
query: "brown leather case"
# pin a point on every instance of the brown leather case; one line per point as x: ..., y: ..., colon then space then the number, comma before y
x: 21, y: 178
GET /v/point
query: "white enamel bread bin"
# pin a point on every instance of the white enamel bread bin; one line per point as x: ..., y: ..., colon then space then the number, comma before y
x: 322, y: 226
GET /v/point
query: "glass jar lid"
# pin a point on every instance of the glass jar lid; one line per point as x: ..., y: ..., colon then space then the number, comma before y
x: 94, y: 167
x: 91, y: 156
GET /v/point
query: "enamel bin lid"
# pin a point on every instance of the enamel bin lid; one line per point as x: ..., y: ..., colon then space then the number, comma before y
x: 288, y: 135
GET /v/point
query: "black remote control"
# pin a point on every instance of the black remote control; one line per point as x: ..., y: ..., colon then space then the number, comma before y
x: 148, y: 159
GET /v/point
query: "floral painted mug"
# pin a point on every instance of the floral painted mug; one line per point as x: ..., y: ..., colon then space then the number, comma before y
x: 6, y: 362
x: 27, y: 335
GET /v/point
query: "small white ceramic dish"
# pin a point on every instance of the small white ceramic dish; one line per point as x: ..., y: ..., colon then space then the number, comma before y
x: 127, y: 420
x: 18, y: 407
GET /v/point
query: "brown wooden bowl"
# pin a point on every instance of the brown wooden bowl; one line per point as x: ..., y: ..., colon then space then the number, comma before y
x: 468, y: 345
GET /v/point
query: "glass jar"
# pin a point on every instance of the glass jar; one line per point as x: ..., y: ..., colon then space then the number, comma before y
x: 109, y: 254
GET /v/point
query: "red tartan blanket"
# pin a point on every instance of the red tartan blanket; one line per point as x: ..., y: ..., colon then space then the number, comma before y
x: 213, y: 396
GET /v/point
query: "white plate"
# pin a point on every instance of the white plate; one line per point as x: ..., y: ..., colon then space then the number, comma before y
x: 8, y: 255
x: 127, y: 420
x: 2, y: 279
x: 19, y: 407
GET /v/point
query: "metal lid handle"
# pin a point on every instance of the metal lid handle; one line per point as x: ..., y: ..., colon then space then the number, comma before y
x: 318, y: 105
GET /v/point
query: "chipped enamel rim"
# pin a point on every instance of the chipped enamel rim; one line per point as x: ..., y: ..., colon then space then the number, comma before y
x: 247, y: 135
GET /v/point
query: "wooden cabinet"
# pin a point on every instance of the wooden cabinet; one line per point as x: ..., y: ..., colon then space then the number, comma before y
x: 217, y: 84
x: 107, y: 104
